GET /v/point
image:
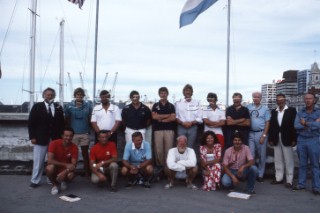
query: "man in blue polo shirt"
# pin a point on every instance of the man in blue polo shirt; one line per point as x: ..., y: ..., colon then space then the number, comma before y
x: 137, y: 160
x: 260, y: 119
x: 135, y: 116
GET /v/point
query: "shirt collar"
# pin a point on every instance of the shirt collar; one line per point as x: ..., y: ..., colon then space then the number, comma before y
x: 133, y: 147
x: 285, y: 107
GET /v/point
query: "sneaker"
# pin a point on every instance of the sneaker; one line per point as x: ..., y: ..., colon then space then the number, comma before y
x: 113, y: 189
x: 276, y: 182
x: 250, y: 192
x: 54, y: 190
x: 298, y: 188
x: 63, y: 186
x: 33, y: 185
x: 288, y: 185
x: 316, y: 192
x: 129, y: 185
x: 260, y: 179
x: 147, y: 185
x: 192, y: 186
x: 168, y: 186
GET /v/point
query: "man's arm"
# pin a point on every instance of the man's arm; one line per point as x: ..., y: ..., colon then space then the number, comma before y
x: 215, y: 124
x: 69, y: 166
x: 171, y: 162
x: 234, y: 179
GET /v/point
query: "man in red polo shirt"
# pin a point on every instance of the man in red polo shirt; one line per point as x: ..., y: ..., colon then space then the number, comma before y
x: 103, y: 160
x: 62, y: 161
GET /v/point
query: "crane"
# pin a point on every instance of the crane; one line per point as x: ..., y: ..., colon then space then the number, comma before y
x: 103, y: 85
x: 70, y: 84
x: 113, y: 86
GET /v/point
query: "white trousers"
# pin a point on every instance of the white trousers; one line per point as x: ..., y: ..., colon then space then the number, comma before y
x: 129, y: 132
x: 283, y: 161
x: 39, y: 155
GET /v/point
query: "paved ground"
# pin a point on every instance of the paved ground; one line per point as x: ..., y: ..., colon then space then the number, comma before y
x: 15, y: 196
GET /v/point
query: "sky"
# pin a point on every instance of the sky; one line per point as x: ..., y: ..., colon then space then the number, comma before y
x: 141, y: 40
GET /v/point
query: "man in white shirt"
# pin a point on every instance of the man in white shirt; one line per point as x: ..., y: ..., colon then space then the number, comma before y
x: 179, y: 159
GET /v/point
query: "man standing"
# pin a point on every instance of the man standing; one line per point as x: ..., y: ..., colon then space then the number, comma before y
x: 307, y: 124
x: 164, y: 117
x: 137, y: 160
x: 46, y: 123
x: 260, y: 117
x: 103, y: 160
x: 214, y: 118
x: 62, y: 161
x: 282, y: 136
x: 180, y: 159
x: 135, y: 117
x: 238, y: 118
x: 77, y: 116
x: 238, y: 164
x: 106, y: 116
x: 188, y: 115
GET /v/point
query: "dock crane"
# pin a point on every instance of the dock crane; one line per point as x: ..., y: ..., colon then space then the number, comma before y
x: 113, y: 86
x: 103, y: 85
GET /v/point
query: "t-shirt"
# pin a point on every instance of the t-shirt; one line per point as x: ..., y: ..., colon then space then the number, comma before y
x: 100, y: 152
x: 161, y: 109
x: 63, y: 153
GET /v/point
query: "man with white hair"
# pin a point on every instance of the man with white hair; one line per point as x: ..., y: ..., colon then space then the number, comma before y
x: 179, y: 159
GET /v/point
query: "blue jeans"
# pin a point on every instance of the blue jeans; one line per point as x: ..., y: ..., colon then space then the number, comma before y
x: 309, y: 148
x: 249, y: 173
x: 190, y: 133
x: 261, y: 149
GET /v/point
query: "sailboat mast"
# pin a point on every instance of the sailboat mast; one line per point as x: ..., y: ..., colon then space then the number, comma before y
x: 32, y: 52
x: 61, y: 76
x: 228, y: 54
x: 95, y: 53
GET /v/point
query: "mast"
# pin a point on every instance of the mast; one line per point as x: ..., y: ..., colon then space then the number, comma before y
x: 31, y: 91
x: 95, y: 54
x: 61, y: 76
x: 228, y: 54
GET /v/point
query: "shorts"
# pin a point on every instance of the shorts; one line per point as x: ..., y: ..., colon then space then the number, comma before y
x: 81, y: 139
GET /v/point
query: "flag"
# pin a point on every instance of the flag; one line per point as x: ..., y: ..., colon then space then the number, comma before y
x: 192, y: 9
x: 79, y: 2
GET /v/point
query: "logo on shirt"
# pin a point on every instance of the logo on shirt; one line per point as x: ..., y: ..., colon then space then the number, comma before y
x: 107, y: 153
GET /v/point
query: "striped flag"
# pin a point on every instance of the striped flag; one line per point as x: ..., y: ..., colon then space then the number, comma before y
x: 79, y: 2
x: 192, y: 9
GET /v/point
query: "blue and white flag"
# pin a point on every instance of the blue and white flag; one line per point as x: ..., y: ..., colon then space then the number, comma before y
x: 192, y: 9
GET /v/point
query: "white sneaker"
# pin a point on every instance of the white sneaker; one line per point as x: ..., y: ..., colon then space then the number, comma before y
x: 63, y: 186
x: 54, y: 190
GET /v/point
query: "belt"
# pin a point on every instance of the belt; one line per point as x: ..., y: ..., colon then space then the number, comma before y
x: 260, y: 130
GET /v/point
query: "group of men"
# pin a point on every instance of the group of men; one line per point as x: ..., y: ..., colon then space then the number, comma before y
x: 242, y: 131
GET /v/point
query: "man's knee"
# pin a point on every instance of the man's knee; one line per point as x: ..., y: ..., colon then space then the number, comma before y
x: 113, y: 166
x: 124, y: 171
x: 226, y: 181
x: 50, y: 169
x: 149, y: 169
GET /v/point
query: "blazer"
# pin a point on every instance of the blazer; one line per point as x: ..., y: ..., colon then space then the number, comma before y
x: 287, y: 130
x: 42, y: 126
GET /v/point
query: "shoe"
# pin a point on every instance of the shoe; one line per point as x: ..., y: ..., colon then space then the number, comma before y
x: 63, y: 186
x: 113, y: 189
x: 288, y: 185
x: 33, y: 185
x: 54, y: 190
x: 192, y: 186
x: 168, y: 186
x: 274, y: 182
x: 147, y: 185
x: 250, y: 192
x: 129, y: 185
x: 316, y: 192
x: 260, y: 179
x: 298, y: 188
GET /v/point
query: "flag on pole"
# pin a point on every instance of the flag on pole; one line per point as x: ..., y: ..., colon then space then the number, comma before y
x: 79, y: 2
x: 192, y: 9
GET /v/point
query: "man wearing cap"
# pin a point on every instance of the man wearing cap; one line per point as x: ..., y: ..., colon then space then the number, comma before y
x: 136, y: 117
x: 103, y: 160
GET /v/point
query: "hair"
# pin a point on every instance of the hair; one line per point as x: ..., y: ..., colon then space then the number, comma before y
x: 133, y: 92
x: 281, y: 94
x: 104, y: 92
x: 237, y: 134
x: 163, y: 89
x: 78, y: 90
x: 237, y: 94
x: 257, y: 92
x: 69, y: 129
x: 314, y: 97
x: 49, y: 89
x: 187, y: 86
x: 103, y: 132
x: 136, y: 134
x: 212, y: 95
x: 206, y: 134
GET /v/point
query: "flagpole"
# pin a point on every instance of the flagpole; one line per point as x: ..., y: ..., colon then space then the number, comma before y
x: 32, y: 52
x: 95, y: 54
x: 228, y: 54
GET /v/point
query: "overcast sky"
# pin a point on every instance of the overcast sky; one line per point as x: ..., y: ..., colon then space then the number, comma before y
x: 141, y: 40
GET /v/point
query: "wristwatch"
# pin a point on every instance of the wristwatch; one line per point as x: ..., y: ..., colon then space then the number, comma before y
x: 264, y: 135
x: 94, y: 165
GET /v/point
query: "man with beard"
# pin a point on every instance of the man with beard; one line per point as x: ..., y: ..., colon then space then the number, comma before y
x: 77, y: 116
x: 106, y: 116
x: 180, y: 159
x: 46, y: 123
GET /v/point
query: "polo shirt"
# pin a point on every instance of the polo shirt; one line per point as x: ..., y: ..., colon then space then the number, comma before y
x: 259, y: 116
x: 188, y: 111
x: 136, y: 118
x: 105, y: 152
x: 235, y: 159
x: 62, y: 153
x: 79, y: 116
x: 105, y: 119
x: 161, y: 109
x: 137, y: 156
x: 213, y: 115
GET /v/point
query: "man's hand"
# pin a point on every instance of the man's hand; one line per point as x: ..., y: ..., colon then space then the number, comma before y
x: 240, y: 171
x: 33, y: 141
x: 235, y: 180
x: 70, y: 167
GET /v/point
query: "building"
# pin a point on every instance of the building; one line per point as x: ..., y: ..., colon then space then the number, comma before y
x: 268, y: 92
x: 288, y: 85
x: 314, y: 79
x: 303, y: 81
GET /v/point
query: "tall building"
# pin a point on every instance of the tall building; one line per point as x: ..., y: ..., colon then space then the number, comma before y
x: 303, y: 81
x: 288, y: 85
x: 268, y: 92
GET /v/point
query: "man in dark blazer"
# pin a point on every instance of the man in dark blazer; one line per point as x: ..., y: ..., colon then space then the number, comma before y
x: 46, y: 123
x: 282, y: 136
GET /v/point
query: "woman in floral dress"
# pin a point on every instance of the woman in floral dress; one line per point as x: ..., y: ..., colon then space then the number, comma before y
x: 210, y: 156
